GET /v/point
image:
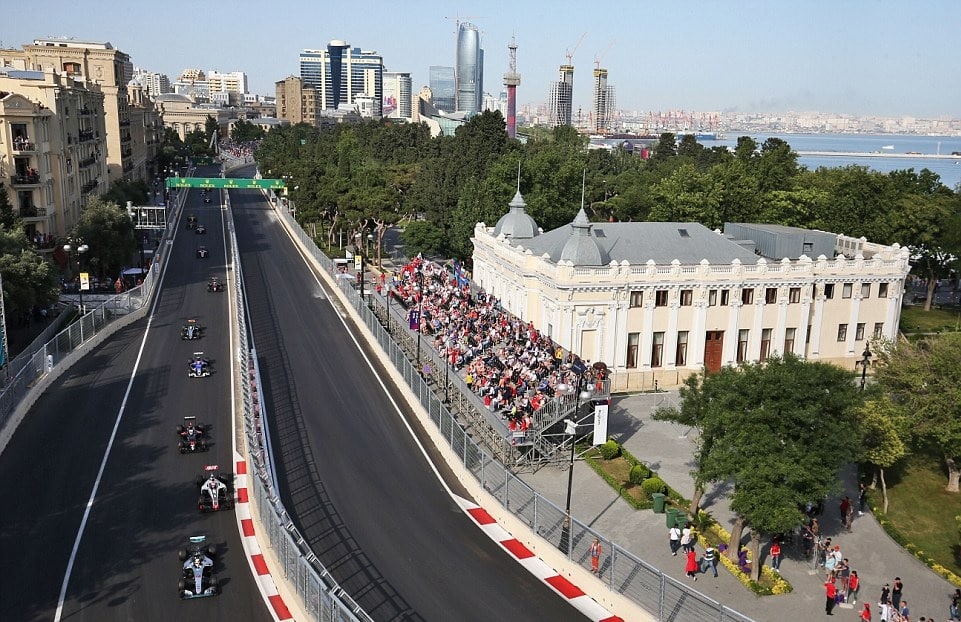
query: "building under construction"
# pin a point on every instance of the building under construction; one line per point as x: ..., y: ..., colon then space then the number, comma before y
x: 602, y: 104
x: 511, y: 80
x: 562, y: 98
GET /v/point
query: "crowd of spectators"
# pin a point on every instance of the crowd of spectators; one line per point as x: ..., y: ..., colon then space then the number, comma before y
x: 44, y: 240
x: 508, y: 363
x: 230, y: 150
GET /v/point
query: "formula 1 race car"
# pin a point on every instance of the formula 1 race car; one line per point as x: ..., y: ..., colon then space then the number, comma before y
x: 215, y: 285
x: 215, y: 491
x: 191, y: 330
x: 193, y: 436
x: 200, y: 230
x: 207, y: 198
x: 191, y: 221
x: 202, y: 252
x: 197, y: 579
x: 198, y: 366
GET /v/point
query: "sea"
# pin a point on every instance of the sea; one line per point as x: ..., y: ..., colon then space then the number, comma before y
x: 948, y: 169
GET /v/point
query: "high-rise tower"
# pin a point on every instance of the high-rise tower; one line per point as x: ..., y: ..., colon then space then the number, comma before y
x: 511, y: 80
x: 562, y: 98
x: 342, y: 75
x: 469, y: 69
x: 602, y: 107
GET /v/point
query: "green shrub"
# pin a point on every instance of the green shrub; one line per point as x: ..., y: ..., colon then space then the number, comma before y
x: 638, y: 474
x: 654, y: 484
x: 610, y: 450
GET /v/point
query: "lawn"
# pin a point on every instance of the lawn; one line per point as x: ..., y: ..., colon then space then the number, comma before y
x: 916, y: 319
x: 923, y: 512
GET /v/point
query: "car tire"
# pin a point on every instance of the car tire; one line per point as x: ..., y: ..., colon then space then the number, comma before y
x: 181, y: 586
x: 211, y: 551
x: 182, y: 555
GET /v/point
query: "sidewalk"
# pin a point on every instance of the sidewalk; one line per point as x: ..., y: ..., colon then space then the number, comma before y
x: 667, y: 448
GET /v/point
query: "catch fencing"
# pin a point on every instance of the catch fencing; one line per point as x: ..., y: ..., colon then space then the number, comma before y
x: 659, y: 594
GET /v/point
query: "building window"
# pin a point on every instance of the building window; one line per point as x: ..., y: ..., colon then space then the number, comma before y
x: 859, y: 332
x: 865, y: 290
x: 846, y: 290
x: 742, y: 345
x: 632, y: 340
x: 789, y: 339
x: 770, y: 295
x: 725, y: 297
x: 712, y: 298
x: 680, y: 356
x: 842, y: 332
x: 795, y: 295
x: 878, y: 329
x: 765, y: 344
x: 829, y: 290
x: 637, y: 299
x: 657, y: 350
x: 687, y: 297
x: 747, y: 295
x: 660, y: 298
x: 882, y: 290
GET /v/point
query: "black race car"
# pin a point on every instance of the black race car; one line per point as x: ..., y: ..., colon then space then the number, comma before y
x: 215, y: 285
x: 216, y: 492
x: 202, y: 252
x: 193, y: 436
x: 197, y: 578
x: 200, y: 230
x: 198, y: 366
x: 191, y: 330
x: 191, y: 221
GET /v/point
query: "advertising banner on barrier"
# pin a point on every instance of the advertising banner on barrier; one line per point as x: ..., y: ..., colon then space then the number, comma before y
x: 600, y: 423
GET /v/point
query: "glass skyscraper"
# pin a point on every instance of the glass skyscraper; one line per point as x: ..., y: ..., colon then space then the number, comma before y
x: 442, y: 87
x: 341, y: 74
x: 470, y: 69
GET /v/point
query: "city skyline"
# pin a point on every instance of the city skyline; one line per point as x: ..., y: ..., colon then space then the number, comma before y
x: 873, y: 58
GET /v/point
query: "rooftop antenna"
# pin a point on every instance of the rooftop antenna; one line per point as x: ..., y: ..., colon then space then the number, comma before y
x: 583, y: 184
x: 518, y: 176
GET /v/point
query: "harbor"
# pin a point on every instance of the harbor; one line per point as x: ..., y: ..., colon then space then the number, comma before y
x: 880, y: 154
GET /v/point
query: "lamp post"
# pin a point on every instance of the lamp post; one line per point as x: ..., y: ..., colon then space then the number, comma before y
x: 80, y: 249
x: 570, y: 429
x: 864, y: 362
x: 420, y: 309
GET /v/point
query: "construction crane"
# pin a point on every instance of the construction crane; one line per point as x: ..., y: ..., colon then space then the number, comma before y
x: 570, y: 52
x: 462, y: 18
x: 599, y: 57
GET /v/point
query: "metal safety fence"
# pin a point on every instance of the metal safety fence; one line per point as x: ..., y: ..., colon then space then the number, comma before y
x: 625, y: 573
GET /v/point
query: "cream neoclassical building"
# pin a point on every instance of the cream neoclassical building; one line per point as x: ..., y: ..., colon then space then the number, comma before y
x: 661, y: 300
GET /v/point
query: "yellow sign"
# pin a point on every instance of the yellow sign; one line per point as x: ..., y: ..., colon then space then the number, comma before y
x: 84, y: 281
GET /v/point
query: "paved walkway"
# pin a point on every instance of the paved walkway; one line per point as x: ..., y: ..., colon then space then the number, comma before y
x: 667, y: 448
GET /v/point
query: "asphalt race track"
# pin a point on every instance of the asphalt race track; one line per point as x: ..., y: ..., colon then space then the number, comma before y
x: 359, y: 489
x: 126, y: 566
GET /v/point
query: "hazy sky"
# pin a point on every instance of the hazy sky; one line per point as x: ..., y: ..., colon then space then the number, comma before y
x: 885, y: 57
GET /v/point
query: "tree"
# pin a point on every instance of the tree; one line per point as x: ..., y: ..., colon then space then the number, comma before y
x: 424, y: 237
x: 778, y: 431
x: 880, y: 422
x: 28, y: 280
x: 109, y: 232
x: 244, y: 131
x: 923, y: 380
x: 8, y: 218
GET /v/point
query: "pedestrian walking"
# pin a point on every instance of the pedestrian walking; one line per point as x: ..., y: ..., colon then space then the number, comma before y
x: 862, y: 498
x: 675, y: 539
x: 830, y: 593
x: 885, y: 611
x: 776, y: 555
x: 866, y: 613
x: 955, y: 607
x: 905, y: 612
x: 854, y: 584
x: 896, y: 590
x: 595, y: 555
x: 691, y: 567
x: 885, y: 593
x: 849, y: 518
x: 709, y: 561
x: 687, y: 538
x: 845, y: 506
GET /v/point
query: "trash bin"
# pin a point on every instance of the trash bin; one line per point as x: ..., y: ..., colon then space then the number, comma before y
x: 658, y: 503
x: 671, y: 517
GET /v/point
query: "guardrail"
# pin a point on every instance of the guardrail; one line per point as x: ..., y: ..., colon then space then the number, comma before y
x: 323, y: 599
x: 659, y: 594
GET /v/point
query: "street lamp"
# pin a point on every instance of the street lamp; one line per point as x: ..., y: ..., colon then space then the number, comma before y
x: 84, y: 281
x: 420, y: 307
x: 570, y: 429
x: 864, y: 362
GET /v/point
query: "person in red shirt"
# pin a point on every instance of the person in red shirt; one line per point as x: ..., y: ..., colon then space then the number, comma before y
x: 776, y: 555
x: 866, y: 613
x: 830, y: 593
x: 595, y: 555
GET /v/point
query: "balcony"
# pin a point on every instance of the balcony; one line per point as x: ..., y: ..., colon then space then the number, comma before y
x: 21, y: 145
x: 28, y: 179
x: 125, y: 123
x: 86, y: 135
x: 87, y: 162
x: 32, y: 211
x: 90, y: 185
x: 84, y: 112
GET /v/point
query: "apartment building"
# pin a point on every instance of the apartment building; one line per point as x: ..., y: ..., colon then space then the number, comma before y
x: 658, y: 301
x: 53, y: 148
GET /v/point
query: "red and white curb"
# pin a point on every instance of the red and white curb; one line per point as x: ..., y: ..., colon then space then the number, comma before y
x: 255, y: 557
x: 535, y: 565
